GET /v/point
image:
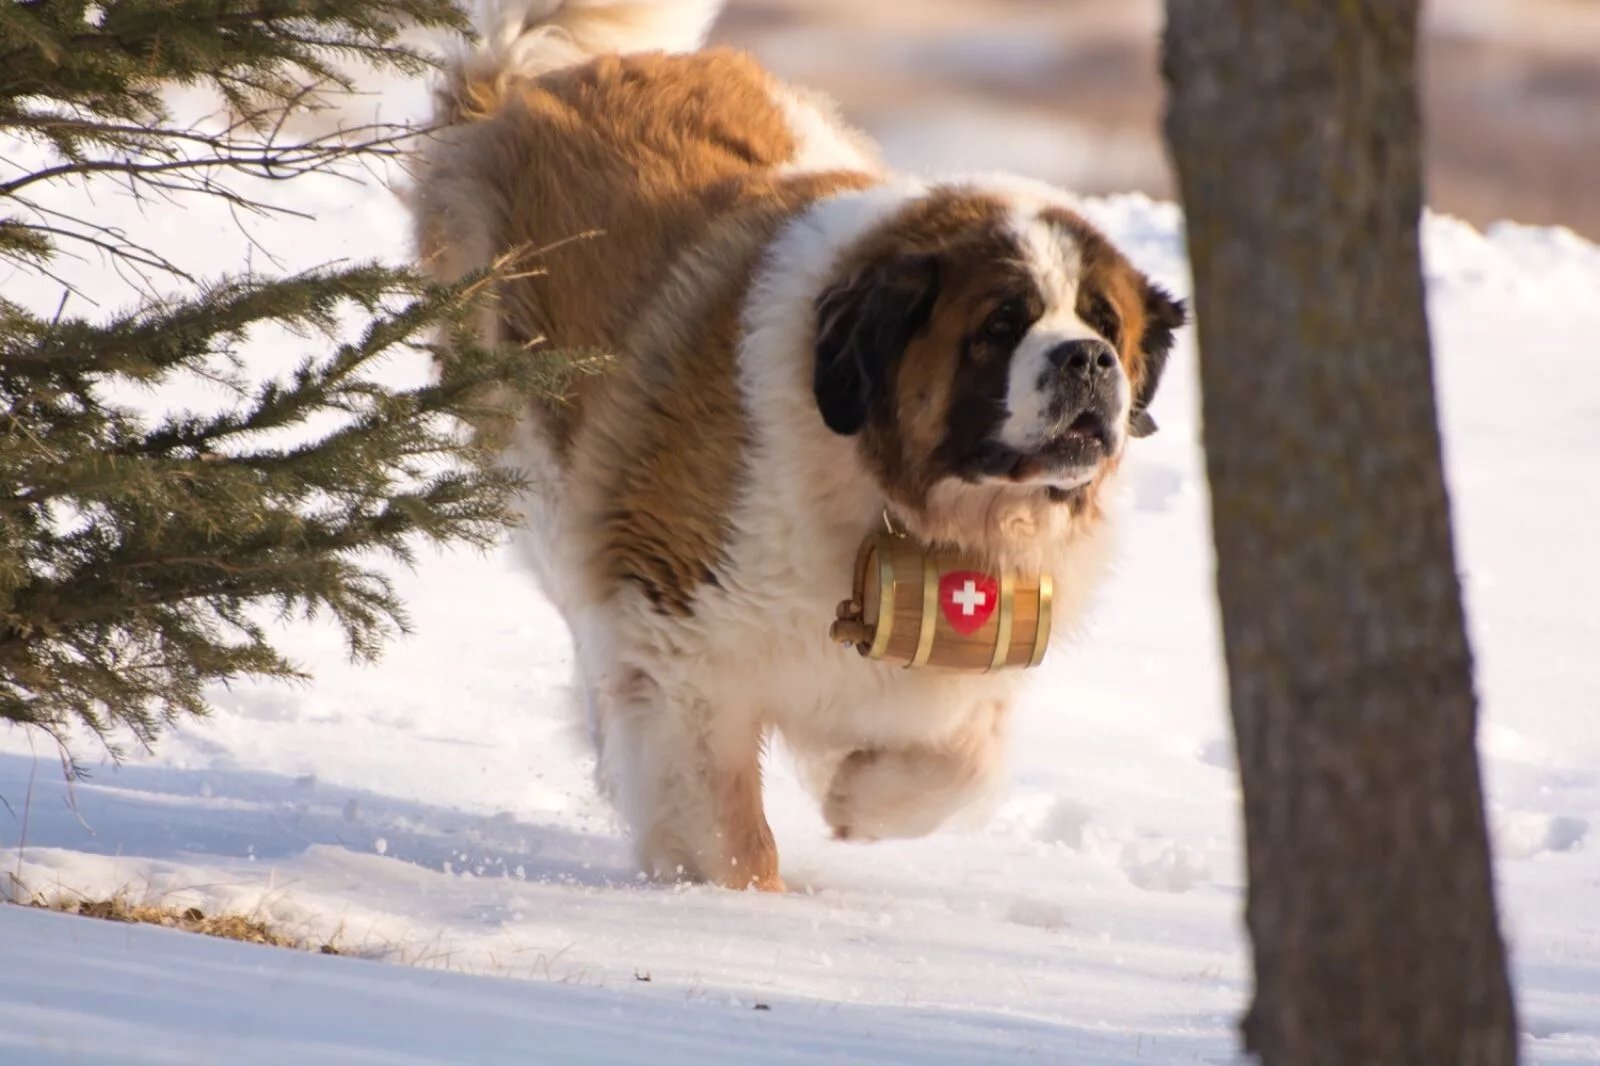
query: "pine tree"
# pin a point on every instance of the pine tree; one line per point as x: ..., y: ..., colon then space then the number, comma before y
x: 142, y: 557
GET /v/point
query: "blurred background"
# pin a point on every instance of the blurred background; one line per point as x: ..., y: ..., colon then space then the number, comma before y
x: 1070, y: 91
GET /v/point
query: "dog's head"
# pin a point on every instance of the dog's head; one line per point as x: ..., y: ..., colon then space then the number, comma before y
x: 984, y: 351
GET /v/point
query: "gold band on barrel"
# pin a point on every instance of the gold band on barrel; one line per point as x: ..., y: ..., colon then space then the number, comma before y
x: 930, y: 611
x: 1002, y: 632
x: 880, y: 636
x: 1041, y: 635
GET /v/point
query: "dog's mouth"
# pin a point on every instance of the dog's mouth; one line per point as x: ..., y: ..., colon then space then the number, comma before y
x: 1089, y: 426
x: 1063, y: 461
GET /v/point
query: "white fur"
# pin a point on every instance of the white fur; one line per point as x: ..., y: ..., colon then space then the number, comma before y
x: 824, y: 141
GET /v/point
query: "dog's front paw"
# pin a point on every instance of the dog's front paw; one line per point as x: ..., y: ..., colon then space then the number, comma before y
x: 840, y: 808
x: 877, y: 795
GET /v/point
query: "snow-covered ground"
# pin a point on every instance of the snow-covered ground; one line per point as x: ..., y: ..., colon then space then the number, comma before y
x: 436, y: 810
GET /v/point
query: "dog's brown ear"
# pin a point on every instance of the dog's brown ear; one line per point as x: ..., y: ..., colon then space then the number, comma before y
x: 1163, y: 316
x: 863, y: 325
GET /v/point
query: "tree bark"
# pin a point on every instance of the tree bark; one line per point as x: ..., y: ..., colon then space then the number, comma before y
x: 1295, y: 133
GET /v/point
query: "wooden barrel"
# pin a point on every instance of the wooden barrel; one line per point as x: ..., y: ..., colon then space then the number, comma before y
x: 916, y: 607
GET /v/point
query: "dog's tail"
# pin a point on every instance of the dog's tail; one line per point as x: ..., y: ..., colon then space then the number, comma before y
x: 526, y: 38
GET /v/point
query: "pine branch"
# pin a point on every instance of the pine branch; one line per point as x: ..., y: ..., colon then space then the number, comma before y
x: 267, y: 160
x: 135, y: 557
x: 87, y: 80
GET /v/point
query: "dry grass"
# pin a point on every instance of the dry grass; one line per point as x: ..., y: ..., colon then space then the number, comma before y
x: 239, y: 927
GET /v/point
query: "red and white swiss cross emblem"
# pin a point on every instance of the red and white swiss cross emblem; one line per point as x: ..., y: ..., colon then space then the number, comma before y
x: 967, y: 598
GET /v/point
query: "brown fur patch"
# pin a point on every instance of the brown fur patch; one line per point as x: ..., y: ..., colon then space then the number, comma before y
x: 930, y: 223
x: 750, y: 854
x: 611, y: 167
x: 661, y: 453
x: 661, y: 450
x: 943, y: 365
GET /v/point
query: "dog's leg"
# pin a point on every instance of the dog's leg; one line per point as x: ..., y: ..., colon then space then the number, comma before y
x: 687, y: 783
x: 749, y: 853
x: 880, y: 793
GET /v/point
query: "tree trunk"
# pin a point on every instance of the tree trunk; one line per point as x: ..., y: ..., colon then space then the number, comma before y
x: 1295, y: 133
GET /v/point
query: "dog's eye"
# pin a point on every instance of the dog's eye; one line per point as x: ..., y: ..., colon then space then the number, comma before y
x: 1102, y: 317
x: 1006, y: 324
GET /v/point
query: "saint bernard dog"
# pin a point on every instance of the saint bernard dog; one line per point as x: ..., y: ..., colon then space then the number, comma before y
x: 799, y: 342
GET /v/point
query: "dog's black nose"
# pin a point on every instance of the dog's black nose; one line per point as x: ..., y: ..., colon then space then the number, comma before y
x: 1085, y: 359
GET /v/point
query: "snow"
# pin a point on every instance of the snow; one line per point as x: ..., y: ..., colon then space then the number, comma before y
x: 433, y: 813
x: 161, y: 997
x: 1556, y: 24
